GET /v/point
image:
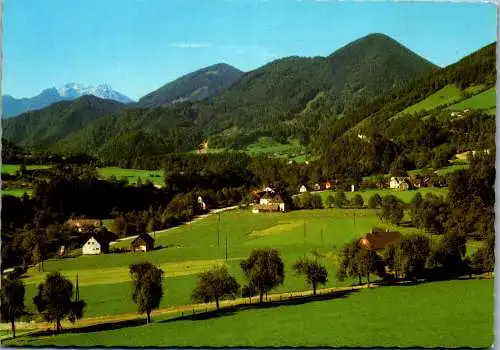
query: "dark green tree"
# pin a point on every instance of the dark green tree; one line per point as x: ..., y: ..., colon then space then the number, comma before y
x: 392, y: 209
x: 316, y: 202
x: 12, y: 298
x: 215, y: 285
x: 264, y: 270
x: 358, y: 201
x: 340, y: 199
x: 147, y: 287
x: 329, y: 201
x: 313, y: 271
x: 53, y: 300
x: 375, y: 201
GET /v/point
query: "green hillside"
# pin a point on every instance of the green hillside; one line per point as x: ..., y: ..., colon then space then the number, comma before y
x: 42, y: 128
x: 485, y: 100
x: 446, y: 95
x: 199, y: 85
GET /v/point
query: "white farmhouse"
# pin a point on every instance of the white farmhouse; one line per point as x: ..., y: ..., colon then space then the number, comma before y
x: 91, y: 247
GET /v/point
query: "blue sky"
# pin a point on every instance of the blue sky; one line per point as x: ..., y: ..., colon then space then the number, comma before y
x: 138, y: 45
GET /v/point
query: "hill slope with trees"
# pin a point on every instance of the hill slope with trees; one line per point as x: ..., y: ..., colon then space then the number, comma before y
x: 202, y: 84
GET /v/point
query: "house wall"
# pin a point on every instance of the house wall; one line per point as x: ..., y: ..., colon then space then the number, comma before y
x: 91, y: 247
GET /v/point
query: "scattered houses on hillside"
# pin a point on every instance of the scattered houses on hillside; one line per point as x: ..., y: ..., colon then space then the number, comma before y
x: 143, y: 243
x: 379, y: 239
x: 400, y: 183
x: 82, y: 224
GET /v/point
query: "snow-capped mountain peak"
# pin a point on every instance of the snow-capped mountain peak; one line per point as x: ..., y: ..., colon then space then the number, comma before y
x: 74, y: 90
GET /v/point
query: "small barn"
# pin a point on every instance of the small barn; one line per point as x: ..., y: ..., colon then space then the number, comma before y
x: 94, y: 245
x: 379, y: 239
x: 143, y: 243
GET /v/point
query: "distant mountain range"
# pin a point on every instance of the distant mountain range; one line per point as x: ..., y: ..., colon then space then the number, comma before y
x: 293, y: 97
x: 12, y: 107
x: 202, y: 84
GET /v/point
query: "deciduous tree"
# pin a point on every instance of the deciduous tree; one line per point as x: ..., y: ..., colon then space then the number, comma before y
x: 53, y: 300
x: 147, y: 287
x: 12, y: 298
x: 214, y: 285
x: 264, y: 270
x: 313, y: 271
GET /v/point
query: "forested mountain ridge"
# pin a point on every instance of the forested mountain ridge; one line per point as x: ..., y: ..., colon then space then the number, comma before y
x: 289, y: 97
x: 280, y: 90
x: 202, y: 84
x: 42, y: 128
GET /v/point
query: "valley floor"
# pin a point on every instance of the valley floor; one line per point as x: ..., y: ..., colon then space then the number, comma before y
x: 455, y: 313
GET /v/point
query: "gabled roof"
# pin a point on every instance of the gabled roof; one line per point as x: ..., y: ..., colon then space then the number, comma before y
x: 379, y: 239
x: 145, y: 237
x: 277, y: 199
x: 101, y: 239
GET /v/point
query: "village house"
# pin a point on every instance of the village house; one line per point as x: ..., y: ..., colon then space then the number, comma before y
x: 201, y: 203
x: 143, y: 243
x: 328, y: 185
x: 96, y: 244
x: 379, y: 239
x: 317, y: 187
x: 400, y: 183
x: 303, y: 189
x: 82, y: 224
x: 269, y: 200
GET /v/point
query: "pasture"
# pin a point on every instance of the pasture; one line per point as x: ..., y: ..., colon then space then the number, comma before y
x: 133, y: 175
x: 455, y: 313
x: 187, y: 250
x: 12, y: 168
x: 485, y: 100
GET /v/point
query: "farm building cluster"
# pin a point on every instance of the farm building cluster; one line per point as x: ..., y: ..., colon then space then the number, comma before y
x: 98, y: 239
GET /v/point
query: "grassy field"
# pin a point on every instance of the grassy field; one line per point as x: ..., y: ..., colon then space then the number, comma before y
x: 132, y: 175
x: 447, y: 94
x: 484, y: 100
x: 440, y: 314
x: 17, y: 192
x: 12, y: 168
x: 190, y: 249
x: 292, y: 150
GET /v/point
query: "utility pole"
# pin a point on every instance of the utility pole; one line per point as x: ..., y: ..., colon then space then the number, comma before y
x: 77, y: 289
x: 218, y: 230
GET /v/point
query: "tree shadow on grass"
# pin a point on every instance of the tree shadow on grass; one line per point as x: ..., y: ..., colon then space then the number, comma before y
x: 225, y: 311
x: 228, y: 311
x: 93, y: 328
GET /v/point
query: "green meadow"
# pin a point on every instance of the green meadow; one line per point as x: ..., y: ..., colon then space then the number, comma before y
x: 133, y: 175
x: 12, y: 168
x: 440, y: 314
x: 190, y: 249
x: 484, y: 100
